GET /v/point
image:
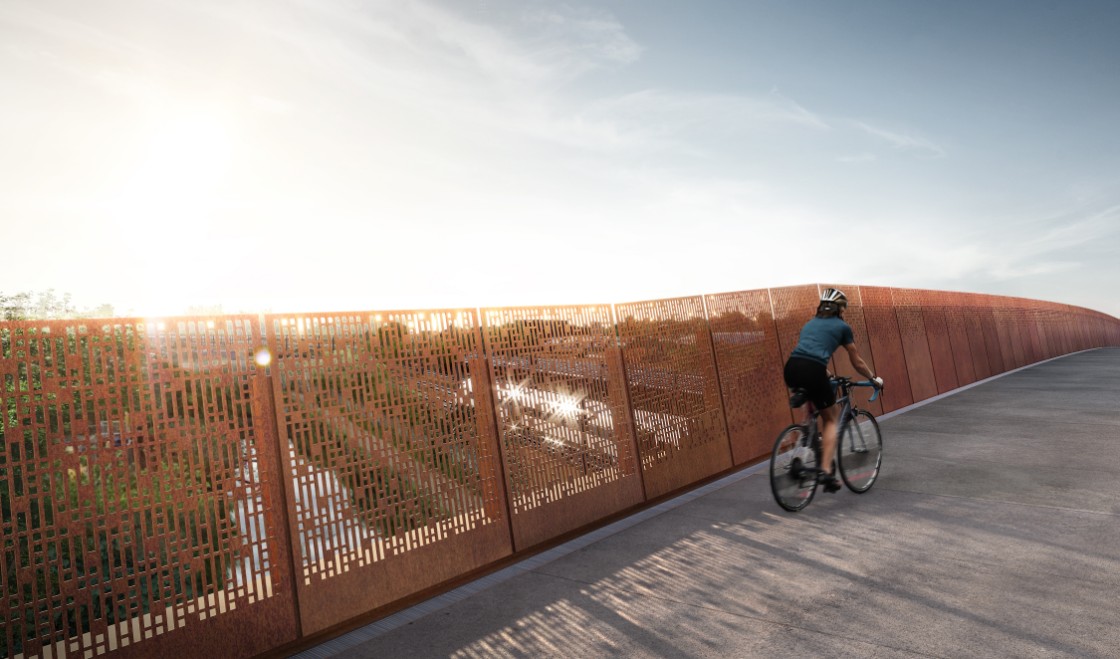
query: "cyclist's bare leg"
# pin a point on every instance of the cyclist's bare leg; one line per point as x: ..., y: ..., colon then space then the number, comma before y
x: 828, y: 419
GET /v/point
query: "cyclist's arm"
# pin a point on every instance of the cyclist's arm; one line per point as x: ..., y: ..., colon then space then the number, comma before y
x: 857, y: 361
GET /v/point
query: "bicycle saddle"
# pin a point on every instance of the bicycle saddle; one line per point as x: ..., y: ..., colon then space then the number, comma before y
x: 798, y: 398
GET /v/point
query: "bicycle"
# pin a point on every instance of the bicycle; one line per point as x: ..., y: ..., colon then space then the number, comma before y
x: 794, y: 470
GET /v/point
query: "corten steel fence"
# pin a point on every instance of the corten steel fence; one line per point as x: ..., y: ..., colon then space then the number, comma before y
x: 915, y: 343
x: 139, y: 483
x: 393, y: 477
x: 232, y: 485
x: 841, y: 362
x: 674, y: 392
x: 564, y: 423
x: 750, y: 370
x: 886, y: 344
x: 935, y: 318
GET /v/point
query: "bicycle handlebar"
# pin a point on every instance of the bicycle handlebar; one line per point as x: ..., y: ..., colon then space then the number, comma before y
x: 848, y: 382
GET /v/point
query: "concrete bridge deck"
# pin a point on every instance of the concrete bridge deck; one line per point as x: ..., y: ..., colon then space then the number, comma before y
x: 994, y: 530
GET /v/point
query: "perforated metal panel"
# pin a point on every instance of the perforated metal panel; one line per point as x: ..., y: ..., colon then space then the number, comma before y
x: 1003, y: 337
x: 1008, y: 341
x: 935, y: 316
x: 566, y: 433
x: 1012, y: 317
x: 1031, y: 323
x: 793, y: 307
x: 149, y: 504
x: 750, y: 371
x: 1016, y: 319
x: 886, y: 345
x: 1055, y: 331
x: 842, y: 364
x: 137, y: 477
x: 1050, y: 330
x: 981, y: 365
x: 957, y: 323
x: 986, y: 315
x: 387, y: 426
x: 915, y: 344
x: 674, y: 392
x: 1039, y: 314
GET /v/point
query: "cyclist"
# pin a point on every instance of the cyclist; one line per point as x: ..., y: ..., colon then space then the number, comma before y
x: 807, y: 368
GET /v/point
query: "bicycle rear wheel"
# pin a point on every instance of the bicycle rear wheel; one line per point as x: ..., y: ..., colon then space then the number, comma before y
x: 793, y: 469
x: 860, y: 452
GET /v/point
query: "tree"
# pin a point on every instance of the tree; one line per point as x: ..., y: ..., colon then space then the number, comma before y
x: 46, y: 305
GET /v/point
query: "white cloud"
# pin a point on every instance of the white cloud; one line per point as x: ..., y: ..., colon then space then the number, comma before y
x: 413, y: 138
x: 905, y: 141
x: 581, y: 38
x: 992, y: 254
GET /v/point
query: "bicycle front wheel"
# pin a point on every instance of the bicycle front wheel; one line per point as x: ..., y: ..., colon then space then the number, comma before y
x: 793, y: 469
x: 860, y: 452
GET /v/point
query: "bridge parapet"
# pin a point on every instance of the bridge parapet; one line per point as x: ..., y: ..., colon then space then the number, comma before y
x: 232, y: 485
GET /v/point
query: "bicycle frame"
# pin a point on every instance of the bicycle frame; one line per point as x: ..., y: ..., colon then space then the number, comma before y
x: 795, y: 474
x: 847, y: 409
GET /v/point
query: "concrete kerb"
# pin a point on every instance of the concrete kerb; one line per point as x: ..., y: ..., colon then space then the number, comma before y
x: 373, y: 630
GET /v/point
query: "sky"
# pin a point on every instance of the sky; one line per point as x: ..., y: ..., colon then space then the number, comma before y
x: 337, y: 155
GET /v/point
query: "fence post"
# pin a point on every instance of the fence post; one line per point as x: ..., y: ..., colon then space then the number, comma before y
x: 267, y: 410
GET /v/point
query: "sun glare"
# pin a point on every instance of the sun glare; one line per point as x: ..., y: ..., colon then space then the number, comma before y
x: 180, y: 170
x: 169, y: 203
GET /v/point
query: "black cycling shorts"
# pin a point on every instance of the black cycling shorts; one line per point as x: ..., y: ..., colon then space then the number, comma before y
x: 813, y: 378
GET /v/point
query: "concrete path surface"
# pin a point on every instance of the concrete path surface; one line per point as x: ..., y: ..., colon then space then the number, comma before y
x: 993, y: 531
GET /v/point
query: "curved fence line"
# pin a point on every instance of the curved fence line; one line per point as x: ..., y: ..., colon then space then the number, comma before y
x: 232, y: 485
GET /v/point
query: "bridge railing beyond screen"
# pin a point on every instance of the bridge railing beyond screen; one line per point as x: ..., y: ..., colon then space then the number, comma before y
x: 232, y: 485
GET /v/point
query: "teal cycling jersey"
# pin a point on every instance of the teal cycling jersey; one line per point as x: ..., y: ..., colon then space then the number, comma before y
x: 821, y: 337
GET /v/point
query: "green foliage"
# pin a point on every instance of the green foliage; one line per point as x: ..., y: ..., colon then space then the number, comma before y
x: 46, y: 305
x: 94, y: 502
x: 124, y: 573
x: 393, y: 414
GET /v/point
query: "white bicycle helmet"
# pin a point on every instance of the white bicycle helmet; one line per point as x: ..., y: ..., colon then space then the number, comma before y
x: 833, y: 295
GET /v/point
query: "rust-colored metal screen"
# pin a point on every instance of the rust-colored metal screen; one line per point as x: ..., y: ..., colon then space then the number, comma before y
x: 566, y: 434
x: 219, y: 486
x: 1031, y: 324
x: 886, y: 345
x: 1049, y: 328
x: 387, y: 428
x: 1020, y: 324
x: 750, y: 371
x: 982, y: 367
x: 1055, y: 330
x: 138, y: 481
x: 842, y: 363
x: 793, y: 307
x: 674, y: 392
x: 935, y: 316
x: 1078, y: 326
x: 1008, y: 340
x: 1065, y: 331
x: 1004, y: 338
x: 1042, y: 322
x: 956, y: 320
x: 1064, y: 325
x: 986, y: 314
x: 1017, y: 316
x: 1073, y: 325
x: 915, y: 343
